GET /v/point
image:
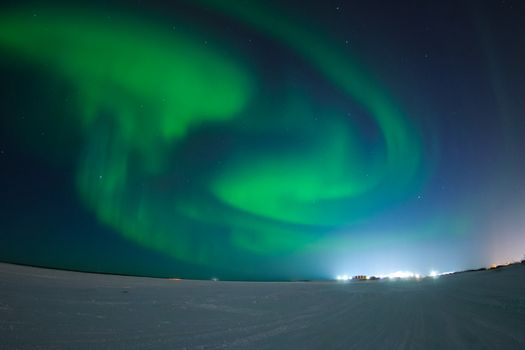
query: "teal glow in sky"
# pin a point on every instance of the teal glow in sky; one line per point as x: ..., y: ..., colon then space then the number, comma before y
x: 220, y: 139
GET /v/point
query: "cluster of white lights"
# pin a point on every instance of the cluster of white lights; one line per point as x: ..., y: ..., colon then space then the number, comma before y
x: 401, y: 274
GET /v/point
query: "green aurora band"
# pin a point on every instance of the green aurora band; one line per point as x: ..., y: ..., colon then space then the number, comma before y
x: 144, y: 92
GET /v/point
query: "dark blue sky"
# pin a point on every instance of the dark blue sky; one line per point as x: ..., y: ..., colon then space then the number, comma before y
x: 269, y: 140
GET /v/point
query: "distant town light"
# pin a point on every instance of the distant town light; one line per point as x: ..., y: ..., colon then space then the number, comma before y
x: 395, y: 275
x: 342, y: 278
x: 400, y: 274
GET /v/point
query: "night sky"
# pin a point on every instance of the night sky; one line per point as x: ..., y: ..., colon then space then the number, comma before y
x: 262, y: 140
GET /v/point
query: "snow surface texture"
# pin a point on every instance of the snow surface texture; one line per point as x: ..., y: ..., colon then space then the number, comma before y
x: 50, y: 309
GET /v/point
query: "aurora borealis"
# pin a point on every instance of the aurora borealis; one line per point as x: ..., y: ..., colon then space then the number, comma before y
x: 253, y: 141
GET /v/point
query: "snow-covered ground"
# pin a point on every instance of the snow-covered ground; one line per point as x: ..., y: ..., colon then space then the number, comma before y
x: 49, y: 309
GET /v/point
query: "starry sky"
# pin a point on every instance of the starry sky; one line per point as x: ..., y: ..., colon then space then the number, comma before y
x: 262, y: 140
